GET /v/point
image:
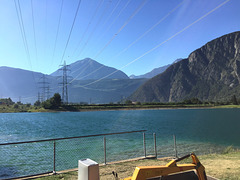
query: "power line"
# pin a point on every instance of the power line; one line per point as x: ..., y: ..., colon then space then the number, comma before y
x: 82, y: 70
x: 34, y: 32
x: 117, y: 4
x: 114, y: 9
x: 23, y: 34
x: 46, y: 25
x: 76, y: 13
x: 154, y: 48
x: 113, y: 37
x: 90, y: 22
x: 150, y: 29
x: 117, y: 16
x: 90, y: 36
x: 59, y: 20
x: 22, y: 28
x: 122, y: 10
x: 124, y: 25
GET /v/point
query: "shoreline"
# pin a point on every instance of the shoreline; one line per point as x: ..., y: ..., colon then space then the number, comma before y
x: 160, y: 107
x: 88, y: 108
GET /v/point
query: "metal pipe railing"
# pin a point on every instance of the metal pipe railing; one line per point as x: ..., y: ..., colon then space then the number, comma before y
x: 76, y: 137
x: 155, y: 144
x: 105, y: 150
x: 144, y: 145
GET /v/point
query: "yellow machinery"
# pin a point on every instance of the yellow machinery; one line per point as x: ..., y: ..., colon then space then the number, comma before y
x: 171, y: 169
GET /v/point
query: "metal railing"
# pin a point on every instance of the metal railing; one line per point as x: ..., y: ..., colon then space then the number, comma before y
x: 20, y: 159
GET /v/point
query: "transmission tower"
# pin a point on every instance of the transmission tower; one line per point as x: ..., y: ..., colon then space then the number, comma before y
x: 64, y: 69
x: 44, y: 87
x: 39, y: 97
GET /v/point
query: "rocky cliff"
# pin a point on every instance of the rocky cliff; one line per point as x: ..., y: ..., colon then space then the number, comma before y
x: 211, y: 72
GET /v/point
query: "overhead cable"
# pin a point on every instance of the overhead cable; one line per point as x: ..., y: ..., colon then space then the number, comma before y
x: 90, y: 22
x: 154, y: 48
x: 22, y: 28
x: 91, y: 35
x: 121, y: 28
x: 23, y: 33
x: 34, y: 32
x: 118, y: 16
x: 59, y: 20
x: 69, y: 36
x: 150, y: 29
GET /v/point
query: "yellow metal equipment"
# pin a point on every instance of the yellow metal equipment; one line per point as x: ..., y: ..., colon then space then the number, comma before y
x: 147, y: 172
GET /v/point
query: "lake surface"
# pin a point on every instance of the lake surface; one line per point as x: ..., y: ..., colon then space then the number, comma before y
x: 221, y: 126
x: 197, y: 130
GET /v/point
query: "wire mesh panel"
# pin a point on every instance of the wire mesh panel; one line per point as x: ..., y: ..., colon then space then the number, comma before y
x: 185, y: 147
x: 124, y: 146
x: 149, y: 140
x: 25, y: 159
x: 165, y: 146
x: 36, y: 157
x: 69, y: 151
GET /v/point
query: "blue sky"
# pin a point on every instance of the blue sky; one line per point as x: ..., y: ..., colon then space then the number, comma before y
x: 116, y: 33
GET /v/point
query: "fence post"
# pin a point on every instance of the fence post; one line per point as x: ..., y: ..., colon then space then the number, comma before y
x: 105, y: 150
x: 155, y: 144
x: 144, y: 145
x: 54, y: 157
x: 175, y: 146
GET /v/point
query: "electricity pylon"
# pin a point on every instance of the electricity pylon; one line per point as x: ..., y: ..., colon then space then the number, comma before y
x: 64, y: 69
x: 44, y: 86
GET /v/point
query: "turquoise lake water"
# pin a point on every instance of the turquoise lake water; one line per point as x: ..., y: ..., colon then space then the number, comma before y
x: 220, y: 126
x: 198, y: 130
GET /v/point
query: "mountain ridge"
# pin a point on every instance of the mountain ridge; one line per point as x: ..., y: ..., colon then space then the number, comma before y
x: 155, y: 71
x: 211, y: 72
x: 90, y: 69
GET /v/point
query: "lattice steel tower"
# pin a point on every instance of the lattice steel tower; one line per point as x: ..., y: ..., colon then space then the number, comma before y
x: 64, y: 69
x: 44, y: 86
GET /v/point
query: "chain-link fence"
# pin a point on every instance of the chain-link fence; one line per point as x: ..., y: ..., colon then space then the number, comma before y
x: 38, y: 157
x: 45, y: 156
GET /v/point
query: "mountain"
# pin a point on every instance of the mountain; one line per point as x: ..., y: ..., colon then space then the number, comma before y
x: 154, y: 72
x: 210, y: 73
x: 89, y: 69
x: 19, y: 84
x: 23, y: 85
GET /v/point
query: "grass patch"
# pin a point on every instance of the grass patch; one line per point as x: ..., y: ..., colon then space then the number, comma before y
x: 223, y: 166
x: 228, y: 106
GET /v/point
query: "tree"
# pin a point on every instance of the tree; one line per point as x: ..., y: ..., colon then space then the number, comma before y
x: 234, y: 100
x: 192, y: 101
x: 55, y: 101
x: 7, y: 101
x: 52, y: 103
x: 16, y: 106
x: 37, y: 103
x: 128, y: 102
